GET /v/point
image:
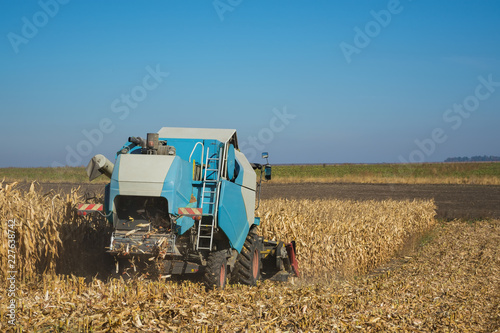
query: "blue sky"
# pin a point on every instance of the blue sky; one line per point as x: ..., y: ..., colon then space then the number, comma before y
x: 329, y: 82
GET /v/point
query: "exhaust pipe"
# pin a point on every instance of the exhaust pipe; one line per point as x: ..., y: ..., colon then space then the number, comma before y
x: 99, y: 165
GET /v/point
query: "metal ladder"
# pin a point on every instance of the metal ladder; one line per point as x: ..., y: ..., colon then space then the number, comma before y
x: 210, y: 192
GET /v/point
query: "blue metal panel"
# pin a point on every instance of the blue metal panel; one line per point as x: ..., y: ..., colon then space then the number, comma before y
x: 233, y: 215
x: 184, y: 147
x: 231, y: 162
x: 136, y: 150
x: 133, y: 149
x: 114, y: 187
x: 240, y: 171
x: 177, y: 189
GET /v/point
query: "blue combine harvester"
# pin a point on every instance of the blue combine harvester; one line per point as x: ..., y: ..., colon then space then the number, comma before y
x: 185, y: 198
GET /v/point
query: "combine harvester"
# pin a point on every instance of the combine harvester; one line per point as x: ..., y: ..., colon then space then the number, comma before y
x: 185, y: 198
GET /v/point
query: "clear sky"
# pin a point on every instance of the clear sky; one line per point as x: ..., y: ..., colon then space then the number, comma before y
x: 308, y: 81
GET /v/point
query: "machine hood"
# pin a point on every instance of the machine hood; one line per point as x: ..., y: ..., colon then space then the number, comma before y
x: 142, y: 175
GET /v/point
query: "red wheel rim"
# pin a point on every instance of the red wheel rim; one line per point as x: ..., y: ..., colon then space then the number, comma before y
x: 222, y: 275
x: 255, y: 264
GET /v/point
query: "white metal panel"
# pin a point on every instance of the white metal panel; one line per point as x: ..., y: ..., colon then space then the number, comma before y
x: 249, y: 185
x: 249, y: 200
x: 249, y: 176
x: 143, y: 174
x: 223, y: 135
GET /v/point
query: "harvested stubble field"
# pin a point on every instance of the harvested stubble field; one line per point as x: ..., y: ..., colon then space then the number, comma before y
x: 451, y: 283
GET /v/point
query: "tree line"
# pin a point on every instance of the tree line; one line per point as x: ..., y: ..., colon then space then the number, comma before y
x: 484, y: 158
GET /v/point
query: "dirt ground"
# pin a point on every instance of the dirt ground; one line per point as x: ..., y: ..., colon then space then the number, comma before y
x: 453, y: 201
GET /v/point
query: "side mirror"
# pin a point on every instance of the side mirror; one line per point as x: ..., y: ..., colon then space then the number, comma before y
x: 267, y: 172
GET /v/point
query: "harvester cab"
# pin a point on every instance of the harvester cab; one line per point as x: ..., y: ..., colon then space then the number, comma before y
x: 185, y: 198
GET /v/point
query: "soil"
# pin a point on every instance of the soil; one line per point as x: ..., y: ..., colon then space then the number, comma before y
x: 453, y: 201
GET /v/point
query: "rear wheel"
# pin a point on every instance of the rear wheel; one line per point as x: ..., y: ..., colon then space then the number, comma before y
x: 248, y: 264
x: 216, y: 270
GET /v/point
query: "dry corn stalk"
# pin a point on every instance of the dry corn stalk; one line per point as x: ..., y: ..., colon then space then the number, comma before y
x: 333, y: 236
x: 347, y: 237
x: 450, y: 285
x: 43, y: 224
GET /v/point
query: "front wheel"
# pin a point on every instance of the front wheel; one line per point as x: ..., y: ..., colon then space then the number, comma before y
x: 216, y: 270
x: 248, y: 264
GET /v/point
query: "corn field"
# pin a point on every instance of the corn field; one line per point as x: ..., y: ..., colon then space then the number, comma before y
x: 50, y: 236
x: 333, y: 237
x: 337, y: 242
x: 345, y: 237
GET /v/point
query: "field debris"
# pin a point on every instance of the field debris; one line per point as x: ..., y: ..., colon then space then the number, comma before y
x: 450, y: 284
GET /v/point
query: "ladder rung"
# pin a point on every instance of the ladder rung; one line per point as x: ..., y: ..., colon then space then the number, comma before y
x: 210, y: 192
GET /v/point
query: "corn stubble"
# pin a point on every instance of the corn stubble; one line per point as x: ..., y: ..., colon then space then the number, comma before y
x: 337, y: 242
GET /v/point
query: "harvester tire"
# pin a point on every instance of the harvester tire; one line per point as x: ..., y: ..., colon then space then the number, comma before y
x: 216, y: 270
x: 248, y: 264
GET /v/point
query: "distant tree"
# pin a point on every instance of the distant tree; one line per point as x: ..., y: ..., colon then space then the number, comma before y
x: 484, y: 158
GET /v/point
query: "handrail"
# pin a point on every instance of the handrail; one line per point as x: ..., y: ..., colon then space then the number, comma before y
x: 197, y: 143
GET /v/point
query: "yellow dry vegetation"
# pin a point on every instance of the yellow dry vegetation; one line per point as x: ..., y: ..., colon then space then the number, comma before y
x: 37, y: 219
x: 343, y: 236
x: 333, y: 236
x: 48, y: 233
x: 451, y: 284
